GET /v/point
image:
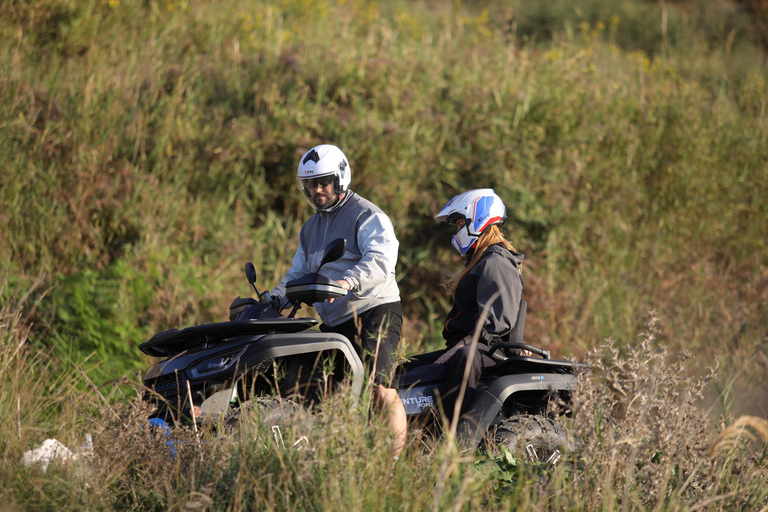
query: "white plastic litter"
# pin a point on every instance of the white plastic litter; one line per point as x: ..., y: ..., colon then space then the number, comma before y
x: 50, y: 450
x: 53, y: 449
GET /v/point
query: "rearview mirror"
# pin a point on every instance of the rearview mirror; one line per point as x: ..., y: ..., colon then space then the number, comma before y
x: 250, y: 273
x: 334, y: 251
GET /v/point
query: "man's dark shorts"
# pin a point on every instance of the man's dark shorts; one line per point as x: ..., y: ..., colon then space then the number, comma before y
x: 381, y: 326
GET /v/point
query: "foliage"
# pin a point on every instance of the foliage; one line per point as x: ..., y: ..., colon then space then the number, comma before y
x: 149, y: 149
x: 643, y: 443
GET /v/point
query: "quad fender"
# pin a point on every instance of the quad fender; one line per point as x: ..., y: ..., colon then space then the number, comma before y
x: 275, y: 346
x: 488, y: 402
x: 170, y: 376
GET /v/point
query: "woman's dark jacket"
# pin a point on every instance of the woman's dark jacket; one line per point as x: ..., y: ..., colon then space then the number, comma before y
x: 496, y: 272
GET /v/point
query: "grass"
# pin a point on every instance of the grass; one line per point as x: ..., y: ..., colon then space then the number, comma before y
x: 149, y: 149
x: 644, y: 443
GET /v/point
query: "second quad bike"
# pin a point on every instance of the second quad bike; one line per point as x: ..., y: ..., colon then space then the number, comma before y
x: 210, y: 371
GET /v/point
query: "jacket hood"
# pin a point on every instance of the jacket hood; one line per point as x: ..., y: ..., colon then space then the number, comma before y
x: 515, y: 257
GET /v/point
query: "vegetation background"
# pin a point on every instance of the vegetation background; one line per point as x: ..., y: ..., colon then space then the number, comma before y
x: 149, y: 149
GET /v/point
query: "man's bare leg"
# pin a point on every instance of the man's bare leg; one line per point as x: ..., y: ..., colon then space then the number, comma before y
x: 388, y: 401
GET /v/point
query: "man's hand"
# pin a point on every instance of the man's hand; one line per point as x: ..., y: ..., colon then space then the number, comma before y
x: 275, y: 301
x: 344, y: 284
x: 460, y: 344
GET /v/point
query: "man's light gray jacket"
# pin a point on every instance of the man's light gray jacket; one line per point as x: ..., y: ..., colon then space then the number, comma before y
x: 368, y: 263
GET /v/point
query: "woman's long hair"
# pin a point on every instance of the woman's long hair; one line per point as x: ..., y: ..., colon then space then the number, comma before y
x: 489, y: 237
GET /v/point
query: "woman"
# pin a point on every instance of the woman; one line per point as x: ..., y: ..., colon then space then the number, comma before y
x: 487, y: 293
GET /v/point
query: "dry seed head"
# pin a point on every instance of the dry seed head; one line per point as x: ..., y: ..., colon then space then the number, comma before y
x: 730, y: 436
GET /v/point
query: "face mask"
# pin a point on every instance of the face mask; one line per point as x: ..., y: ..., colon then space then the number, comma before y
x: 463, y: 241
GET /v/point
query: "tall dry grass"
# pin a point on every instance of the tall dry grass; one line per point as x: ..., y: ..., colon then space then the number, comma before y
x: 146, y: 161
x: 149, y: 149
x: 647, y: 435
x: 644, y: 443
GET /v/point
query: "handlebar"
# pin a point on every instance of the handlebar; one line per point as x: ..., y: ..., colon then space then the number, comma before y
x: 520, y: 346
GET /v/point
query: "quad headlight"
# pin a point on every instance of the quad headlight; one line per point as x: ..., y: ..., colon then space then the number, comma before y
x: 220, y: 362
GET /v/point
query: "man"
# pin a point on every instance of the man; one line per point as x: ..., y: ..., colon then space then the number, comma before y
x: 367, y: 271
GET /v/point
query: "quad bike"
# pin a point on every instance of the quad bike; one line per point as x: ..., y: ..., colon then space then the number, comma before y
x: 213, y: 371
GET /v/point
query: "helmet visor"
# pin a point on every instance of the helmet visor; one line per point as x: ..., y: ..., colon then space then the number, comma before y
x: 321, y: 181
x: 317, y: 193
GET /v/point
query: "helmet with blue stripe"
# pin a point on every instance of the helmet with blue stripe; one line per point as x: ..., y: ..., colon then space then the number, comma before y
x: 480, y: 209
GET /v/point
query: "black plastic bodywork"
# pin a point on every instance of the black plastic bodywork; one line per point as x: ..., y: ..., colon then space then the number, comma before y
x: 173, y: 379
x: 260, y: 352
x: 174, y: 341
x: 516, y: 385
x: 489, y: 403
x: 233, y: 351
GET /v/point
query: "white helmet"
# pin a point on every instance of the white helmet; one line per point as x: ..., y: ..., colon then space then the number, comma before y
x: 480, y: 209
x: 325, y: 160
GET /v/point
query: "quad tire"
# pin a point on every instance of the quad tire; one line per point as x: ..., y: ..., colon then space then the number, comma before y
x: 267, y: 413
x: 533, y: 439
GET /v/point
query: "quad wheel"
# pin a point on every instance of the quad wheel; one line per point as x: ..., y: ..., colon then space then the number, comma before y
x: 283, y: 419
x: 534, y: 439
